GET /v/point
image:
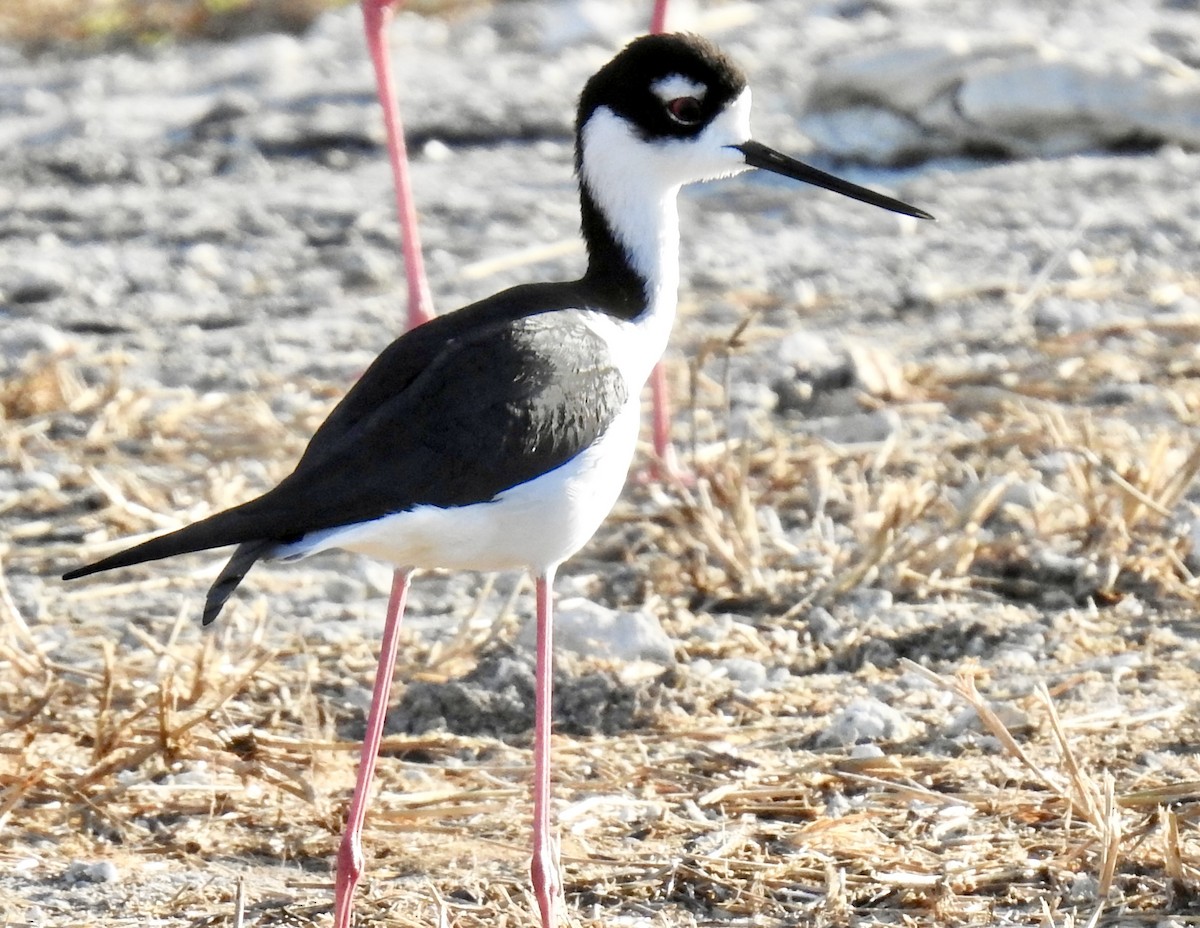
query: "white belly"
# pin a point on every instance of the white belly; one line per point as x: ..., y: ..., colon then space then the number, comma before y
x: 535, y: 525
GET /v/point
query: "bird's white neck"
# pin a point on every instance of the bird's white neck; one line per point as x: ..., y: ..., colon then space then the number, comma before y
x: 636, y: 232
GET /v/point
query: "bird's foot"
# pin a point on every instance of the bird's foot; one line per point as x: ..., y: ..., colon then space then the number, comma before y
x: 664, y: 467
x: 349, y: 872
x: 546, y: 876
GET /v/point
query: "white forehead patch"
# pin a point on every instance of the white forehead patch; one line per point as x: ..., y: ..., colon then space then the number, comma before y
x: 675, y: 86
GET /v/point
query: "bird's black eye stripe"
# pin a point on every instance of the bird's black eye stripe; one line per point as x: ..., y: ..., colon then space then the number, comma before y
x: 685, y: 110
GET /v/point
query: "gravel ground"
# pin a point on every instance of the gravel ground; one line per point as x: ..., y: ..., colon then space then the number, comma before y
x: 963, y: 447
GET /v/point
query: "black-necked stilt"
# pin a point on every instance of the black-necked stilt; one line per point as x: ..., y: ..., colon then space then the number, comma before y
x: 499, y: 436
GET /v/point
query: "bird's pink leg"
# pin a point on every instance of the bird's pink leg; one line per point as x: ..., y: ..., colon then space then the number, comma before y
x: 544, y: 872
x: 350, y: 856
x: 377, y: 14
x: 660, y: 422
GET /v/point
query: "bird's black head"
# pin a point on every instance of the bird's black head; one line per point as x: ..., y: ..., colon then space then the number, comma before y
x: 664, y: 86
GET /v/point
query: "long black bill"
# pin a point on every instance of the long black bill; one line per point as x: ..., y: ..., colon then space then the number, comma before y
x: 759, y: 156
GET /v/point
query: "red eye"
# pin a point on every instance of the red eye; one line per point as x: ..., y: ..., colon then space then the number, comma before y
x: 685, y: 110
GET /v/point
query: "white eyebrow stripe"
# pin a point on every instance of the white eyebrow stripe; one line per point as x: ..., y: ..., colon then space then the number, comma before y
x: 675, y: 86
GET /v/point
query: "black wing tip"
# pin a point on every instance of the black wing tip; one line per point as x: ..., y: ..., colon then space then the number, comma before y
x: 213, y: 604
x: 218, y: 596
x: 231, y: 575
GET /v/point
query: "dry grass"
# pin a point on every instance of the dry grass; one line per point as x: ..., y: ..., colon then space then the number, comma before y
x: 219, y: 757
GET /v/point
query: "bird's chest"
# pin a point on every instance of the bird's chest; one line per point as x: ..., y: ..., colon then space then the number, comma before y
x: 545, y: 520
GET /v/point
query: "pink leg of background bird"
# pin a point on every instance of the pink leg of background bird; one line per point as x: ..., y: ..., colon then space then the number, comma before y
x: 350, y: 856
x: 658, y: 21
x: 377, y: 15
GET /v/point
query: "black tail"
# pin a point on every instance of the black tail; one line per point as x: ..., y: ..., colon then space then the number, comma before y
x: 232, y: 527
x: 233, y: 573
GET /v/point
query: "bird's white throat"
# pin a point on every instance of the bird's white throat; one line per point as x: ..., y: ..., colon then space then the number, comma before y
x: 635, y: 184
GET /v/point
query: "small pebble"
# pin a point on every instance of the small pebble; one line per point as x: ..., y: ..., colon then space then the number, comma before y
x: 749, y: 676
x: 102, y: 871
x: 837, y: 805
x: 857, y: 428
x: 823, y: 627
x: 588, y: 629
x: 866, y: 720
